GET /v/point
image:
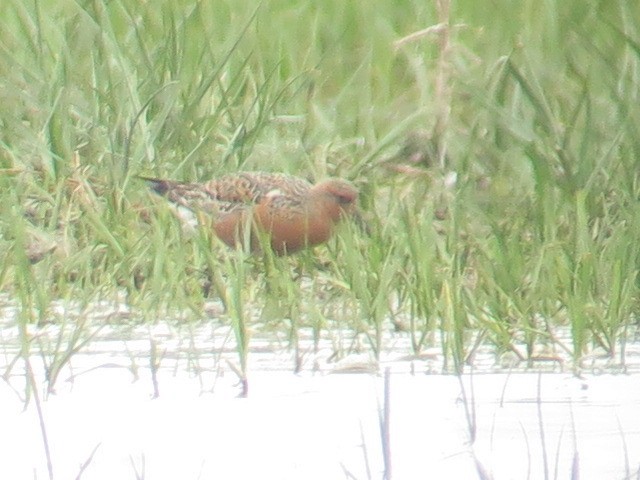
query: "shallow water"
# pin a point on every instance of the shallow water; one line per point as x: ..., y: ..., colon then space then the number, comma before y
x: 321, y: 423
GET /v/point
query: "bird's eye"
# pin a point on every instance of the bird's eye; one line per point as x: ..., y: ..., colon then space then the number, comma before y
x: 344, y: 199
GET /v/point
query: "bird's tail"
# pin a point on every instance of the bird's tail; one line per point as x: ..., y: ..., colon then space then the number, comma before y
x: 192, y: 196
x: 159, y: 186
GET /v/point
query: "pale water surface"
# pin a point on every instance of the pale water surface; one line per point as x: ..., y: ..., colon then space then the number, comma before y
x: 322, y: 423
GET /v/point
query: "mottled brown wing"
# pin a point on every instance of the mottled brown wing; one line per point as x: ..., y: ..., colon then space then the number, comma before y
x: 252, y: 187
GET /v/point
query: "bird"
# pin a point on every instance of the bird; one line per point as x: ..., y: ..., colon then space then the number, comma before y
x: 293, y: 213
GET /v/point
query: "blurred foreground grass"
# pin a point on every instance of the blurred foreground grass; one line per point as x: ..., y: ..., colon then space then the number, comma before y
x: 497, y: 154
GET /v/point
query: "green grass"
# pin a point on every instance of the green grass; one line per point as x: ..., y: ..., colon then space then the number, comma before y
x: 533, y: 105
